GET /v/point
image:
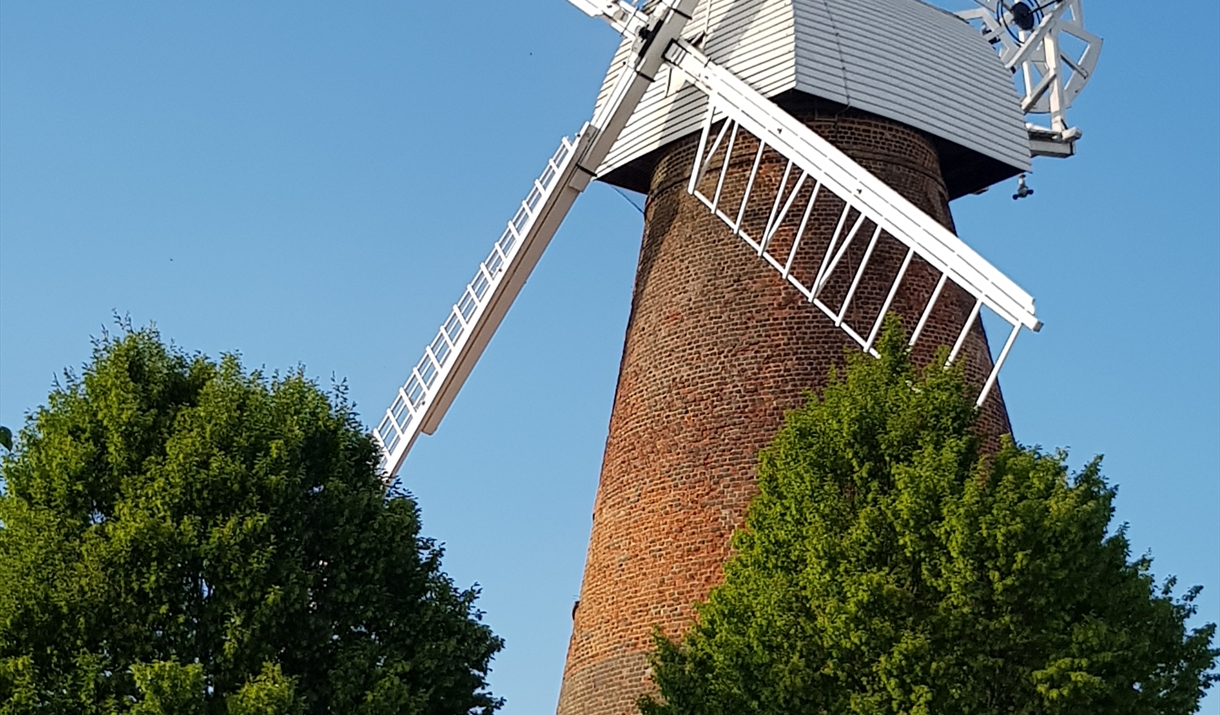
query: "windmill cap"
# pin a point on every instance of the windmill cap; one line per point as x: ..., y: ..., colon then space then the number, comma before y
x: 902, y: 60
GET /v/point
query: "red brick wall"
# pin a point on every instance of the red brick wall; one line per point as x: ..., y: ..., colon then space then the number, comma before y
x: 718, y: 347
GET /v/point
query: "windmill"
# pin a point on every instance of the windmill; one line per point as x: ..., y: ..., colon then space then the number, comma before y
x: 799, y: 157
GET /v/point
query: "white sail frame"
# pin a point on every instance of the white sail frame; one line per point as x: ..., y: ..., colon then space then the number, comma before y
x: 435, y: 380
x: 812, y: 158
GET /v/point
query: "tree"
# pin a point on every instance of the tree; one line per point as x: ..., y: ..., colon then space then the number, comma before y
x: 886, y: 566
x: 178, y: 535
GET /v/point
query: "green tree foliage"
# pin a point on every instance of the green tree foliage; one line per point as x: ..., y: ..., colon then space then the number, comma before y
x: 179, y: 536
x: 169, y: 688
x: 885, y: 568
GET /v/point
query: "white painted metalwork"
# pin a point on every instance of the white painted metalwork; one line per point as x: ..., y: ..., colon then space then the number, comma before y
x: 447, y: 361
x: 1048, y: 73
x: 828, y: 172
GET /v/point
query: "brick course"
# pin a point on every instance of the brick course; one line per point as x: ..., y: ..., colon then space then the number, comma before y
x: 718, y: 347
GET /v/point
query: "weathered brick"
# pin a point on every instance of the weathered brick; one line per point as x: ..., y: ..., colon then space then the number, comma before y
x: 718, y: 347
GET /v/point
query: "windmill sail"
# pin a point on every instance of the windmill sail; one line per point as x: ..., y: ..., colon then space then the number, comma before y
x: 449, y: 358
x: 434, y: 382
x: 817, y: 170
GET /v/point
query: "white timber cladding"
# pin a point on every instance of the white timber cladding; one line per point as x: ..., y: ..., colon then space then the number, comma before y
x: 901, y: 59
x: 752, y: 38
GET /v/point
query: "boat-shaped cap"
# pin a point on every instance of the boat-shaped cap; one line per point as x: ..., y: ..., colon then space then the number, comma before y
x: 903, y: 60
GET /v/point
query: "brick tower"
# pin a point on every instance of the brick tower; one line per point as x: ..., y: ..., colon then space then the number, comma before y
x: 718, y: 344
x: 890, y: 109
x: 718, y: 347
x: 893, y: 108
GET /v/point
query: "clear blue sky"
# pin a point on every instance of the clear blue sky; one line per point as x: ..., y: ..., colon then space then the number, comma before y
x: 314, y: 183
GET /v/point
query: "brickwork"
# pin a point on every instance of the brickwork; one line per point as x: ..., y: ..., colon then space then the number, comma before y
x: 718, y: 347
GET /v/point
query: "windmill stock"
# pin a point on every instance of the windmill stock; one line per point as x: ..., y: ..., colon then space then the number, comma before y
x: 799, y: 157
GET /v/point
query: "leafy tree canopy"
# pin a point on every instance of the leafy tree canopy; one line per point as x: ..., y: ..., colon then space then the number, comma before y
x: 180, y: 536
x: 886, y: 568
